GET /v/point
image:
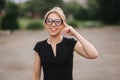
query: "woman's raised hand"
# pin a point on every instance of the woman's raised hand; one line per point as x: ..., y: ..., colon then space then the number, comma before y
x: 69, y: 30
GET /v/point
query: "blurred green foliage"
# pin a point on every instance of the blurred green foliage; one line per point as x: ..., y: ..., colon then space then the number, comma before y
x: 9, y: 20
x: 0, y: 22
x: 2, y: 4
x: 28, y: 23
x: 73, y: 23
x: 71, y: 7
x: 93, y: 13
x: 76, y: 10
x: 92, y: 7
x: 39, y: 7
x: 35, y: 25
x: 109, y: 11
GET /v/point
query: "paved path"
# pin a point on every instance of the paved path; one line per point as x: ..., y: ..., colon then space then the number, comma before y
x: 16, y: 55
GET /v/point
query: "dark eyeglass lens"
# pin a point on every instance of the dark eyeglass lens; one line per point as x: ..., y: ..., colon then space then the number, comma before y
x: 48, y: 21
x: 58, y: 21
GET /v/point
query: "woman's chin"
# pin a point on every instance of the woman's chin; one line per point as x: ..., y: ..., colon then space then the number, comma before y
x: 54, y: 34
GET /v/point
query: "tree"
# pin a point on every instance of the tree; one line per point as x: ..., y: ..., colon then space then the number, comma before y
x: 9, y: 20
x: 82, y: 14
x: 2, y: 5
x: 71, y: 9
x: 92, y: 7
x: 42, y: 6
x: 109, y: 11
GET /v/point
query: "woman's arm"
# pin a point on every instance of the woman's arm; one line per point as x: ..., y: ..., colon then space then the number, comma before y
x: 37, y: 67
x: 83, y: 47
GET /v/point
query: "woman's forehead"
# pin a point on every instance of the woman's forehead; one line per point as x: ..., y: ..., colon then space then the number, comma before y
x: 53, y: 16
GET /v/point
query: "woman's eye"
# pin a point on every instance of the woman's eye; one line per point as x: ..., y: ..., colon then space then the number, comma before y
x: 58, y: 21
x: 49, y: 21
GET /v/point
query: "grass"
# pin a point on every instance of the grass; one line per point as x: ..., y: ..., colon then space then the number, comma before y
x: 84, y: 24
x: 24, y: 22
x: 90, y: 24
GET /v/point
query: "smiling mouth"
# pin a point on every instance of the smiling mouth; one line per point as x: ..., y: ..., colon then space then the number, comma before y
x: 53, y: 29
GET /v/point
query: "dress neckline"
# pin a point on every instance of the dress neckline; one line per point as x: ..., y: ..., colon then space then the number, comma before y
x: 57, y: 43
x: 54, y: 54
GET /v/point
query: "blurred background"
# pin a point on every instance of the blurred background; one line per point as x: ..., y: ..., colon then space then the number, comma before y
x: 21, y: 26
x: 28, y: 14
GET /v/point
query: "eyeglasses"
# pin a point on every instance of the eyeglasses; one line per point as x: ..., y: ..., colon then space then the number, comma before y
x: 57, y: 22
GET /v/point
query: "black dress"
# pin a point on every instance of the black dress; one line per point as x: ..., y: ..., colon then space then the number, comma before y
x: 57, y: 67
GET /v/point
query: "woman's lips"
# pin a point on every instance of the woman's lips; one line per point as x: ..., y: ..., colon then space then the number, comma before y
x: 53, y: 29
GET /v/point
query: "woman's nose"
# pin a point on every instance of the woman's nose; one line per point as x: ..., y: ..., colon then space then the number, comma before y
x: 53, y: 24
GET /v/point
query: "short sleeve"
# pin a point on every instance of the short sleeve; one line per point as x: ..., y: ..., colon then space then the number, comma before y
x: 37, y: 47
x: 72, y: 42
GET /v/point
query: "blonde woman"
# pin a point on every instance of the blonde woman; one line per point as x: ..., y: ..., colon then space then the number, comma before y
x: 55, y: 54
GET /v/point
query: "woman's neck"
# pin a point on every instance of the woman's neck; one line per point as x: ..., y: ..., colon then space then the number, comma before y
x: 55, y: 39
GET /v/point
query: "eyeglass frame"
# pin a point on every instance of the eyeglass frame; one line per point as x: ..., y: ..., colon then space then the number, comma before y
x: 53, y: 21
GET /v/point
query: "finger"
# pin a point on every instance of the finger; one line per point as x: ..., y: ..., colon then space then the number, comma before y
x: 65, y: 31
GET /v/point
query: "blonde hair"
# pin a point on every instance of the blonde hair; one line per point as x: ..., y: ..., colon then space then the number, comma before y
x: 58, y: 11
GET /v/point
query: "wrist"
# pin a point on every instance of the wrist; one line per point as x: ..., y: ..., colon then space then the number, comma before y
x: 76, y: 34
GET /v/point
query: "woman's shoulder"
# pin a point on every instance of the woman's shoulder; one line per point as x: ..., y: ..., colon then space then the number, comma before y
x: 69, y: 40
x: 41, y: 42
x: 39, y: 45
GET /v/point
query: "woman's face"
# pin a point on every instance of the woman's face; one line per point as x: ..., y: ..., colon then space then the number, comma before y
x: 54, y: 24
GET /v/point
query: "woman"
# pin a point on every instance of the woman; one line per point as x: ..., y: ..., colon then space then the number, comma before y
x: 55, y: 54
